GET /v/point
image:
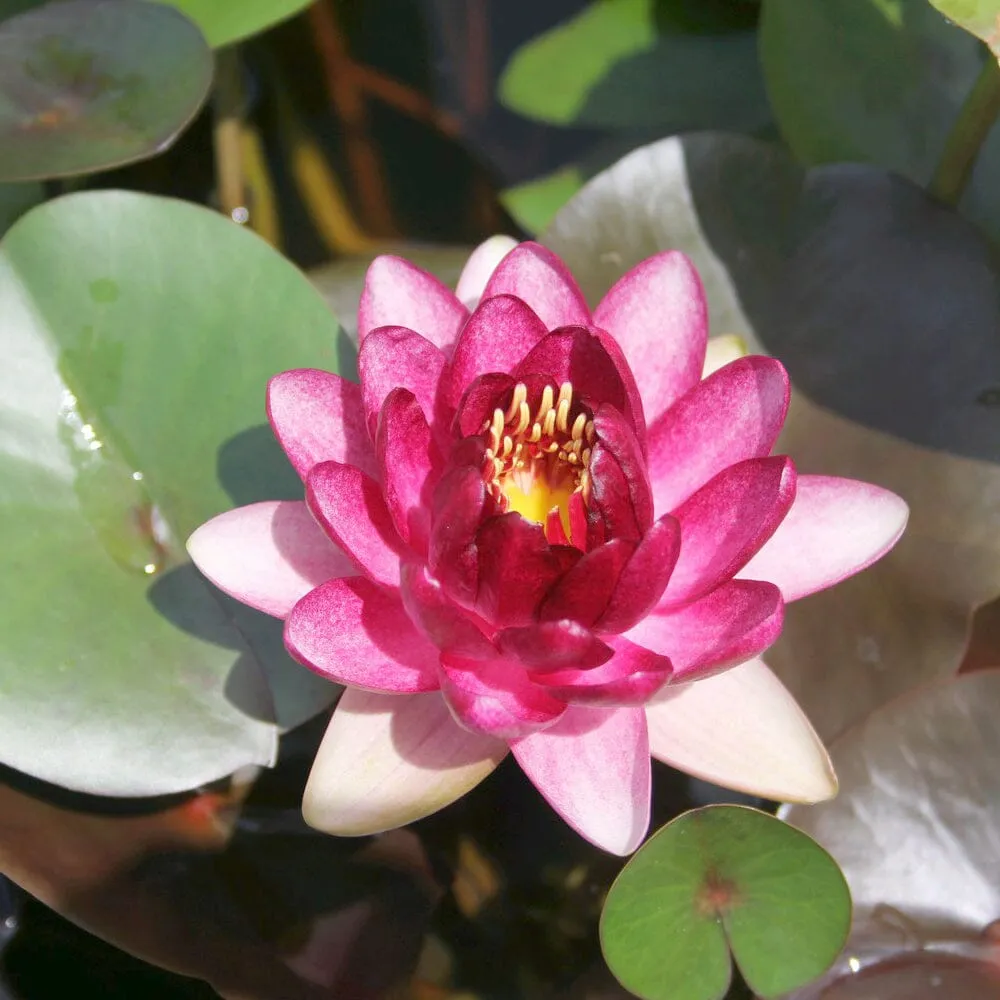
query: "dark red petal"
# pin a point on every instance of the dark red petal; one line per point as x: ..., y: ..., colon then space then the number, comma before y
x: 410, y: 462
x: 394, y: 357
x: 634, y: 409
x: 641, y: 584
x: 631, y: 677
x: 575, y: 355
x: 517, y: 567
x: 357, y: 633
x: 480, y: 400
x: 460, y: 504
x: 446, y: 625
x: 610, y: 512
x: 496, y: 697
x: 732, y: 624
x: 583, y: 592
x: 726, y: 522
x: 577, y: 510
x: 618, y: 437
x: 553, y: 645
x: 495, y: 339
x: 349, y: 507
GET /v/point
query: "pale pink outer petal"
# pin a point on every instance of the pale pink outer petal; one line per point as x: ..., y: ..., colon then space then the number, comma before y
x: 479, y: 269
x: 267, y: 555
x: 593, y: 768
x: 317, y: 417
x: 536, y: 275
x: 658, y: 314
x: 741, y: 729
x: 398, y: 293
x: 834, y: 529
x: 387, y: 760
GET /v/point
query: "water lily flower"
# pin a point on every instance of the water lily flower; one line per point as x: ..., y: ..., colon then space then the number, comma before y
x: 539, y: 529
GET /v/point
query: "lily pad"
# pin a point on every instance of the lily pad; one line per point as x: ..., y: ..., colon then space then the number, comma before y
x: 887, y: 93
x: 863, y: 286
x: 223, y: 22
x: 721, y: 879
x: 140, y: 333
x: 981, y: 17
x: 619, y: 64
x: 94, y: 84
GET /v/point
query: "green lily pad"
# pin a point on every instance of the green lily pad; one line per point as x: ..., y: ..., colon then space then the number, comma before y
x: 887, y: 93
x: 223, y: 21
x: 619, y: 64
x: 981, y: 17
x: 94, y: 84
x: 140, y: 333
x: 717, y: 880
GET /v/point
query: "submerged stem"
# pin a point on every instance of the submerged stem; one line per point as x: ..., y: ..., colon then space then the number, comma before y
x: 228, y: 130
x: 976, y: 118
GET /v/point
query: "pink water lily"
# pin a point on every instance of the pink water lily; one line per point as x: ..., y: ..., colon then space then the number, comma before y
x: 539, y: 528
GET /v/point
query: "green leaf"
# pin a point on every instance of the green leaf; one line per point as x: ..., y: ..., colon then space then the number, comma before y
x: 887, y: 93
x: 717, y: 879
x: 95, y: 84
x: 224, y: 21
x: 981, y: 17
x: 139, y: 334
x: 619, y: 65
x: 534, y: 203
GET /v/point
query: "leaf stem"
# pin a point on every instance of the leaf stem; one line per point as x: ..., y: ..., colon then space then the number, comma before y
x: 976, y: 118
x: 228, y: 131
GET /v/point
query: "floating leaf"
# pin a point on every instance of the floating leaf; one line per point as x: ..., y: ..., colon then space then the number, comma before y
x: 917, y: 823
x: 94, y: 84
x: 863, y: 286
x: 721, y: 879
x: 140, y: 333
x: 223, y: 22
x: 981, y: 17
x: 534, y: 203
x: 887, y: 93
x: 617, y: 64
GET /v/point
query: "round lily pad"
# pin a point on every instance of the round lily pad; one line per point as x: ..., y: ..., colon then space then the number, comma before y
x: 721, y: 880
x: 139, y: 335
x: 90, y: 84
x: 226, y: 21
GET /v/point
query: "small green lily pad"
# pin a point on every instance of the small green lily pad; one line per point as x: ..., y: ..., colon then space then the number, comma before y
x: 94, y: 84
x: 718, y: 880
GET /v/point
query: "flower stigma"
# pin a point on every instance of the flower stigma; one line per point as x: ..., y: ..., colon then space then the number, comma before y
x: 534, y: 464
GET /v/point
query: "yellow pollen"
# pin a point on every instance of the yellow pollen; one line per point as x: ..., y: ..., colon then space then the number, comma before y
x: 534, y: 466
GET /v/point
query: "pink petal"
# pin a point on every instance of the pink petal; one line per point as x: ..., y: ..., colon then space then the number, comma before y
x: 480, y: 267
x: 657, y: 313
x: 741, y: 729
x: 537, y: 276
x: 641, y: 583
x: 388, y: 760
x: 267, y: 555
x: 726, y: 522
x: 450, y: 628
x: 631, y: 677
x: 496, y: 697
x: 736, y: 621
x: 358, y: 634
x: 349, y: 506
x: 497, y: 337
x: 517, y: 567
x: 593, y: 768
x: 617, y: 435
x: 394, y: 357
x: 398, y: 293
x: 553, y: 646
x: 583, y: 592
x: 835, y: 528
x: 733, y: 415
x: 407, y: 457
x: 319, y: 417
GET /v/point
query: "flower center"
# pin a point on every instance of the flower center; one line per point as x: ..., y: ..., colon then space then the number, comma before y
x: 533, y: 464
